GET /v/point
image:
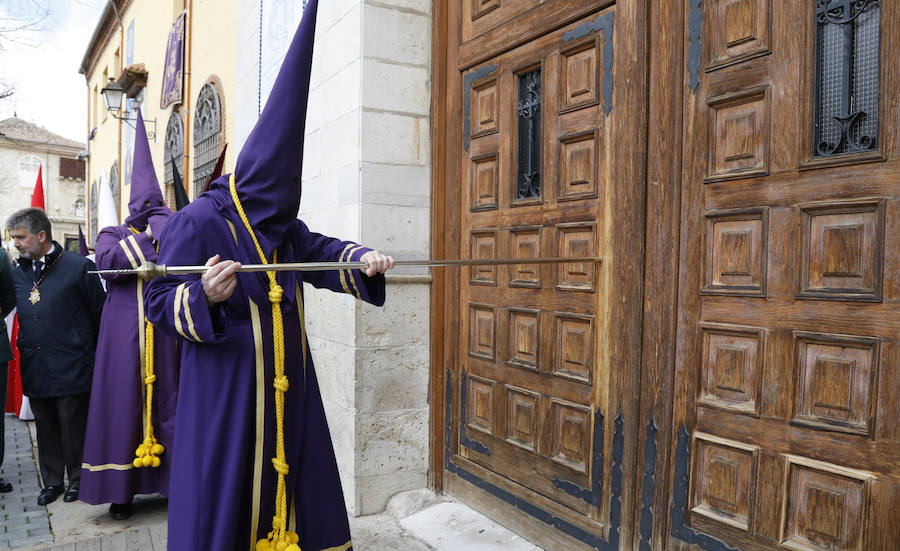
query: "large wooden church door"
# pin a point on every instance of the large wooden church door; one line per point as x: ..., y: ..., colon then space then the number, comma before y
x: 787, y: 415
x: 542, y: 132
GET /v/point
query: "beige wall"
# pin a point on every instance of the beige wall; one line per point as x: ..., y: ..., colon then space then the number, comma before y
x: 60, y: 194
x: 212, y: 29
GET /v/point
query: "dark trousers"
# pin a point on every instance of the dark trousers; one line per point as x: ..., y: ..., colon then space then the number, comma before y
x: 60, y: 424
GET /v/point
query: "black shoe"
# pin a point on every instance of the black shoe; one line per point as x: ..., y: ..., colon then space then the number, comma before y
x: 71, y: 492
x: 120, y: 511
x: 5, y: 486
x: 49, y: 494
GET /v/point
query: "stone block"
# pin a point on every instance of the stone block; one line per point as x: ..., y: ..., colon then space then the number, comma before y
x: 395, y: 87
x: 421, y: 6
x: 390, y: 379
x: 341, y: 222
x: 375, y: 491
x: 397, y: 36
x: 394, y: 139
x: 334, y: 370
x: 340, y: 142
x: 403, y: 321
x: 341, y: 426
x: 407, y: 231
x: 335, y: 96
x: 392, y: 442
x: 402, y: 185
x: 337, y: 45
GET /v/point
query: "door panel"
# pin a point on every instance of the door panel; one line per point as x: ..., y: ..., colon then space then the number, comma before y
x: 543, y: 162
x: 788, y: 312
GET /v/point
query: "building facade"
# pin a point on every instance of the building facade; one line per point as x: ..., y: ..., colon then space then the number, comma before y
x: 176, y: 61
x: 25, y: 148
x: 717, y: 372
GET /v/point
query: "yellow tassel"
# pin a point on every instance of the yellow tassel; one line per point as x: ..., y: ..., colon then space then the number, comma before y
x: 148, y: 451
x: 279, y: 537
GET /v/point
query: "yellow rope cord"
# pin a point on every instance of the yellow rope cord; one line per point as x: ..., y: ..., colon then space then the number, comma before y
x: 279, y: 539
x: 147, y: 454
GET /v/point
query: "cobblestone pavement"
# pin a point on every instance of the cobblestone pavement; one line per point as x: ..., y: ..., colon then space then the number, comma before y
x: 24, y: 522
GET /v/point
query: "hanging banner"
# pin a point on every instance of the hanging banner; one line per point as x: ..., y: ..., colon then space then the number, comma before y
x: 173, y: 78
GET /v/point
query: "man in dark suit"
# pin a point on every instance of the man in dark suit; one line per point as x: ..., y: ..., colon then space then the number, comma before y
x: 59, y: 306
x: 7, y: 303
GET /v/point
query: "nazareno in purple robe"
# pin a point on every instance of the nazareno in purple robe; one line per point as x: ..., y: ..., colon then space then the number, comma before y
x: 116, y: 416
x: 223, y: 482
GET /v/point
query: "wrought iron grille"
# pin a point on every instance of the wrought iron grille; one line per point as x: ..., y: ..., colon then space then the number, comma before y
x: 528, y: 180
x: 207, y: 136
x: 847, y: 76
x: 174, y: 148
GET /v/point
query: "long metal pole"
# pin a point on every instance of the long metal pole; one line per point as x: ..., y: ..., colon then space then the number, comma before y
x: 150, y: 270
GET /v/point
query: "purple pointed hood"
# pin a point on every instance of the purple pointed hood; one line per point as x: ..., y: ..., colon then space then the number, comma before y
x: 146, y: 204
x: 267, y: 172
x: 82, y: 244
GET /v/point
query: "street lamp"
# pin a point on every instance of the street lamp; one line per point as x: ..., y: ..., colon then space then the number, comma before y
x: 113, y: 95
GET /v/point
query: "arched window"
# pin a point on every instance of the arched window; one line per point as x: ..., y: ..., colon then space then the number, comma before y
x: 207, y: 136
x: 174, y: 149
x: 92, y: 235
x: 114, y: 185
x: 28, y: 170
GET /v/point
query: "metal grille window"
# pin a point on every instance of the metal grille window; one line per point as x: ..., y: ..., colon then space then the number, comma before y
x: 528, y: 180
x: 207, y: 136
x: 847, y: 70
x: 174, y: 148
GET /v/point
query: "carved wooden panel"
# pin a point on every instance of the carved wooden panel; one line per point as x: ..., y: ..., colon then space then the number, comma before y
x: 578, y: 166
x: 485, y: 108
x: 522, y: 417
x: 524, y: 338
x: 835, y: 381
x: 724, y: 480
x: 576, y: 240
x: 574, y: 358
x: 484, y: 177
x: 740, y: 30
x: 525, y: 242
x: 826, y: 506
x: 843, y: 250
x: 482, y: 331
x: 580, y: 76
x: 736, y: 252
x: 571, y: 435
x: 732, y: 367
x: 739, y: 134
x: 481, y: 7
x: 480, y: 16
x: 480, y: 404
x: 484, y: 245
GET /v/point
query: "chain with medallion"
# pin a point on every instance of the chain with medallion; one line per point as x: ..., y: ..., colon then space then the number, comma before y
x: 35, y: 296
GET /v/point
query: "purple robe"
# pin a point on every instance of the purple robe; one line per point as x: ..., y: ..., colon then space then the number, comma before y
x: 223, y: 481
x: 116, y: 417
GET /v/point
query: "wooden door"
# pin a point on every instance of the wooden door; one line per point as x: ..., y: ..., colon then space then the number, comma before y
x: 786, y: 415
x: 543, y: 156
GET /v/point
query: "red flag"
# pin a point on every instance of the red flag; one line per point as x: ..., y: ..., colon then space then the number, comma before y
x: 14, y: 387
x: 37, y: 197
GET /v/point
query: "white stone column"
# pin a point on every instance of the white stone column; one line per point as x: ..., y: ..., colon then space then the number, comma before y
x: 366, y: 179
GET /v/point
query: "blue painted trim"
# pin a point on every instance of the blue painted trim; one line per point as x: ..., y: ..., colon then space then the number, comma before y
x: 695, y: 30
x: 464, y: 440
x: 602, y: 23
x: 477, y: 74
x: 593, y: 494
x: 680, y: 491
x: 615, y: 502
x: 648, y: 487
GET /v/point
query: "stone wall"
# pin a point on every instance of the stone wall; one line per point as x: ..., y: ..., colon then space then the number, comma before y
x: 366, y: 179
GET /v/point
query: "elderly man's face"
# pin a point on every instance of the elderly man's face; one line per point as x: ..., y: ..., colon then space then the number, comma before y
x: 27, y: 243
